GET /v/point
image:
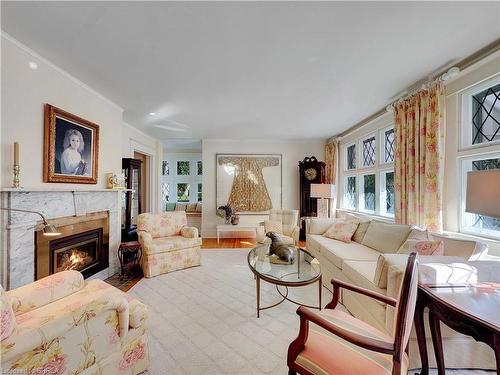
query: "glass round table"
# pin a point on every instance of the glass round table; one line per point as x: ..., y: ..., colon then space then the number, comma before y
x: 305, y: 270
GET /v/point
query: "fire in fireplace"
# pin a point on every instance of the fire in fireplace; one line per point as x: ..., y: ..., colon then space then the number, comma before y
x: 84, y: 252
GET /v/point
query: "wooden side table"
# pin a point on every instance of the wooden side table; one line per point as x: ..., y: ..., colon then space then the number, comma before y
x: 129, y: 253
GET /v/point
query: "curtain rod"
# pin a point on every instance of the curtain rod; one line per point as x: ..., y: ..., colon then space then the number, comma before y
x: 462, y: 65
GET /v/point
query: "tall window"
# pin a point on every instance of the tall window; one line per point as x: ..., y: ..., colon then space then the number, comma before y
x: 200, y: 193
x: 182, y: 192
x: 369, y: 185
x: 200, y: 167
x: 480, y: 130
x: 165, y: 192
x: 183, y: 168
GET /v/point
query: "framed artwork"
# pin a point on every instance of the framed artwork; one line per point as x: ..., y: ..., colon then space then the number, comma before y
x: 71, y: 148
x: 249, y: 183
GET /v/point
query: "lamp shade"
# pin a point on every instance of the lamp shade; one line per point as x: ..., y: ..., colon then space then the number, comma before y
x: 323, y: 191
x: 483, y: 193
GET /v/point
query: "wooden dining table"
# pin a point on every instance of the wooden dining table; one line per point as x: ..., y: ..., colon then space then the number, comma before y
x: 470, y: 308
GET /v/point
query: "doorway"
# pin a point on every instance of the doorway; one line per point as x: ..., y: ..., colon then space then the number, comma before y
x: 145, y: 181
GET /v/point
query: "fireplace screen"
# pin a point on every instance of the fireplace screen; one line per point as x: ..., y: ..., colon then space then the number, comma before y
x: 78, y: 257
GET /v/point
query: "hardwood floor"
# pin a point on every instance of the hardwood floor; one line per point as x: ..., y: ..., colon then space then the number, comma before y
x: 232, y: 243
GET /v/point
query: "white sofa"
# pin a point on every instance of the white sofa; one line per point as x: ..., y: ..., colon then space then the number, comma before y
x: 370, y: 261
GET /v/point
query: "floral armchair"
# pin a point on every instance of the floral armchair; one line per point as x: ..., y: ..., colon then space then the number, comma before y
x: 63, y: 325
x: 282, y: 222
x: 167, y: 243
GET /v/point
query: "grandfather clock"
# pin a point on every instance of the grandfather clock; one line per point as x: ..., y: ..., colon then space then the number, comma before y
x: 311, y: 171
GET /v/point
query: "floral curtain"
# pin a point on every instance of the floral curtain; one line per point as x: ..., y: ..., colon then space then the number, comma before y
x: 419, y: 158
x: 331, y: 161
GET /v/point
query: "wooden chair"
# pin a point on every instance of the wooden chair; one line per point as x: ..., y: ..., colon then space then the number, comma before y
x: 338, y: 343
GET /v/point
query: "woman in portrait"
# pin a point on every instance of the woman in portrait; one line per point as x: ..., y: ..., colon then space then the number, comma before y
x: 71, y: 158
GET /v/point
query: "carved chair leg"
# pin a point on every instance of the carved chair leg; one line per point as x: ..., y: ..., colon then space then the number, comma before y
x: 291, y: 372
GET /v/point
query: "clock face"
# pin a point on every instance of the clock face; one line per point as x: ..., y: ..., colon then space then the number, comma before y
x: 310, y: 173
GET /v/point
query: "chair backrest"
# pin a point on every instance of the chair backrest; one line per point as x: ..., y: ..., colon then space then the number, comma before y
x: 162, y: 225
x: 405, y: 307
x: 289, y: 219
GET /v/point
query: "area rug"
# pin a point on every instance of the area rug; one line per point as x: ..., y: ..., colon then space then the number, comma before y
x: 203, y: 320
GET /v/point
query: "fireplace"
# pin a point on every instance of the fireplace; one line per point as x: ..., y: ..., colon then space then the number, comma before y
x: 82, y: 246
x: 82, y: 252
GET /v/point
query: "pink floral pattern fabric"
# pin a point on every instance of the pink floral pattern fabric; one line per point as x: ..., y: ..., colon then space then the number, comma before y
x: 342, y: 230
x: 422, y: 247
x: 418, y: 162
x: 96, y: 330
x: 162, y: 225
x: 7, y: 318
x: 157, y: 264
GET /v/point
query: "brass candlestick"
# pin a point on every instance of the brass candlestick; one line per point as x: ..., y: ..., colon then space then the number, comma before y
x: 15, y: 181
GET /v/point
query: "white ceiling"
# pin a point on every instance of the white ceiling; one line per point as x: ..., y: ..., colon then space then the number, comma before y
x: 290, y: 70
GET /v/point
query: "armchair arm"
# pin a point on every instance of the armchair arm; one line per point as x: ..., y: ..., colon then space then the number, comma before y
x: 337, y: 284
x: 51, y: 327
x: 145, y: 239
x: 366, y: 342
x: 44, y: 291
x: 189, y: 232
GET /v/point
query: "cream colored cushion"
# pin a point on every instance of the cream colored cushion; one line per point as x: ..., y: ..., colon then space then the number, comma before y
x: 422, y: 247
x: 419, y: 234
x: 384, y: 237
x: 362, y: 273
x: 385, y: 261
x: 172, y: 243
x: 342, y: 230
x: 337, y: 251
x: 318, y: 226
x: 360, y: 231
x: 273, y: 226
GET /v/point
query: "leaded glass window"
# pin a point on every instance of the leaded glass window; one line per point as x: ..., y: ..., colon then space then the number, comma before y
x: 200, y: 168
x: 369, y: 152
x: 351, y: 157
x: 183, y: 192
x: 200, y: 192
x: 389, y: 193
x: 486, y: 115
x: 183, y: 168
x: 165, y: 169
x: 165, y: 192
x: 368, y: 200
x: 350, y: 196
x: 389, y: 146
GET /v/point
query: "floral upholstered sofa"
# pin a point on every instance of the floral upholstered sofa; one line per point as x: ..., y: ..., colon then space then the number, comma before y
x: 64, y: 325
x: 168, y: 244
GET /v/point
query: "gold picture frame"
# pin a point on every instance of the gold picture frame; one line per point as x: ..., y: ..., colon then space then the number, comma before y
x: 71, y: 148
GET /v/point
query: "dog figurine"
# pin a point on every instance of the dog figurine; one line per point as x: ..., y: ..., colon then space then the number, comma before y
x: 282, y: 250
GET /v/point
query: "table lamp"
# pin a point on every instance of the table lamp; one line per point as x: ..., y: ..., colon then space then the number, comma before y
x: 325, y: 192
x: 483, y: 193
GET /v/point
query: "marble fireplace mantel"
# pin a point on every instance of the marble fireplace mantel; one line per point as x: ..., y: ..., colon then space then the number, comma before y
x: 18, y: 232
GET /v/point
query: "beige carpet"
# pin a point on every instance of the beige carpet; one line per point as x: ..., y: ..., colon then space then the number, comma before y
x: 203, y: 320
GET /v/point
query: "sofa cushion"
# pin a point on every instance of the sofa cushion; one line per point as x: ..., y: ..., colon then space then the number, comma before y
x: 163, y: 224
x: 419, y: 234
x: 422, y: 247
x: 362, y: 273
x: 191, y: 207
x: 273, y: 226
x: 337, y: 251
x: 342, y: 230
x: 385, y: 237
x: 318, y: 226
x: 360, y: 231
x: 170, y: 207
x: 167, y: 244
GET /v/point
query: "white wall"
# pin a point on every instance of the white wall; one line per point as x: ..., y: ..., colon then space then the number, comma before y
x: 24, y: 93
x: 292, y: 153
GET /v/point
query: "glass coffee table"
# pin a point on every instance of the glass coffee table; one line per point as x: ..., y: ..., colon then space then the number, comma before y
x: 304, y: 271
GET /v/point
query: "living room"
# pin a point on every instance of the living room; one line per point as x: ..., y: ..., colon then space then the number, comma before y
x: 171, y: 138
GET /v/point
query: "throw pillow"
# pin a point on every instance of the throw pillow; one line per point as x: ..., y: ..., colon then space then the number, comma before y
x: 360, y: 232
x: 273, y: 226
x: 385, y: 237
x: 419, y: 234
x: 7, y: 318
x: 422, y: 247
x: 342, y: 230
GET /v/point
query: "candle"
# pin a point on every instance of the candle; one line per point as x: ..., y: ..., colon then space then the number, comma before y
x: 16, y: 153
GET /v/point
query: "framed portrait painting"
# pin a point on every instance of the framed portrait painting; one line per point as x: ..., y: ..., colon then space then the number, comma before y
x: 249, y: 183
x: 71, y: 148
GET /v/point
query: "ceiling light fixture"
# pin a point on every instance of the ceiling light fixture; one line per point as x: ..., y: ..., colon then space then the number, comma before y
x: 152, y: 113
x: 33, y: 65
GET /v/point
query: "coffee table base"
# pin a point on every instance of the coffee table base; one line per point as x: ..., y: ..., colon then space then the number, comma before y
x: 285, y: 296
